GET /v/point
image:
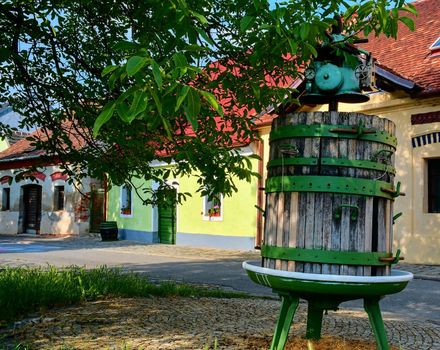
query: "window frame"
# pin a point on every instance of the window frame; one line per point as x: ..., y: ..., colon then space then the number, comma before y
x: 206, y: 216
x: 56, y: 198
x: 430, y: 195
x: 122, y: 204
x: 8, y: 206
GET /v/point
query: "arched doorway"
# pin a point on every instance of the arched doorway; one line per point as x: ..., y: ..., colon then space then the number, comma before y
x: 31, y: 208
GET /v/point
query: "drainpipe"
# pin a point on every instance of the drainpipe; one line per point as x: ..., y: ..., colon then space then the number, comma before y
x: 105, y: 198
x: 260, y: 195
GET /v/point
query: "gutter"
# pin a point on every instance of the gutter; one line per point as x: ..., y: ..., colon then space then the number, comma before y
x: 260, y: 198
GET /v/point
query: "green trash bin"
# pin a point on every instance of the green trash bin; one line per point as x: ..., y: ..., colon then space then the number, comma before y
x: 109, y: 231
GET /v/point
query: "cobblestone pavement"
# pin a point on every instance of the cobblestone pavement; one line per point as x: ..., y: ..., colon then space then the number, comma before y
x: 188, y: 323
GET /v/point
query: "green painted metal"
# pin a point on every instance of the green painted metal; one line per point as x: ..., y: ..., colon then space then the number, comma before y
x: 167, y: 219
x: 332, y: 184
x: 395, y: 217
x: 371, y: 306
x: 289, y: 304
x: 314, y: 321
x: 323, y: 296
x: 360, y: 164
x: 340, y: 162
x: 325, y: 256
x: 333, y: 131
x: 354, y: 213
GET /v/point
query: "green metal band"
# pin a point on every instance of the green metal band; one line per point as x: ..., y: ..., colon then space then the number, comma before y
x: 292, y: 161
x: 325, y: 256
x: 331, y: 184
x: 321, y: 130
x: 359, y: 164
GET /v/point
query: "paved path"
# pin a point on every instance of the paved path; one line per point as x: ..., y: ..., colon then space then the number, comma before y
x: 415, y: 309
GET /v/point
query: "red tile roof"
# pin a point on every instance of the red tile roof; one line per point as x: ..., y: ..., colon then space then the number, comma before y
x: 23, y: 149
x: 409, y: 55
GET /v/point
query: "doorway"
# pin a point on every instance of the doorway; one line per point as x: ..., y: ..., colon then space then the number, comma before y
x: 31, y: 209
x: 167, y: 217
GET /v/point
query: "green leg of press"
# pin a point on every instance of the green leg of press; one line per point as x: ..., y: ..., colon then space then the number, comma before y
x: 289, y: 305
x: 314, y: 321
x: 372, y: 308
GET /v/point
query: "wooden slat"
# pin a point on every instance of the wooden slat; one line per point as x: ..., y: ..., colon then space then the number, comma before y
x: 279, y: 225
x: 286, y: 226
x: 293, y: 226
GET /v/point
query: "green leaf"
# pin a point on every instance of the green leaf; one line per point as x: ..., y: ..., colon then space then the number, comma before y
x: 156, y: 100
x: 192, y: 107
x: 123, y: 111
x: 181, y: 97
x: 108, y: 70
x: 202, y: 19
x: 212, y: 101
x: 103, y: 117
x: 408, y: 22
x: 134, y: 64
x: 311, y: 49
x: 180, y: 60
x: 156, y: 73
x: 139, y: 104
x: 304, y: 30
x: 205, y: 36
x: 4, y: 54
x: 126, y: 45
x: 246, y: 22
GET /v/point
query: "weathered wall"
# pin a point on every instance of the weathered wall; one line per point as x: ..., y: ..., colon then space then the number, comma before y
x: 74, y: 219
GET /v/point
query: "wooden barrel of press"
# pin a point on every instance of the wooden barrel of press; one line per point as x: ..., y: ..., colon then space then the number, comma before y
x: 329, y: 194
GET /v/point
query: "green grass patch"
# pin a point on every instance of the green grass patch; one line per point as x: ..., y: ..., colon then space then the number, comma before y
x: 25, y: 290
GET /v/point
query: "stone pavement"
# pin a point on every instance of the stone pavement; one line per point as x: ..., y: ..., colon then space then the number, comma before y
x: 194, y: 323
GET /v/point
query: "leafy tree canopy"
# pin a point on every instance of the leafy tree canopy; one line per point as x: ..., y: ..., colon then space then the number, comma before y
x: 138, y: 79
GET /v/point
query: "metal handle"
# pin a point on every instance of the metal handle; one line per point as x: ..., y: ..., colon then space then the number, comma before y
x: 393, y: 192
x: 384, y: 155
x: 395, y: 217
x: 354, y: 213
x: 393, y: 260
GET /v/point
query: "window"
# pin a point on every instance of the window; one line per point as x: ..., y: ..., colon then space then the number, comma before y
x: 6, y: 199
x: 58, y: 198
x: 213, y: 207
x: 126, y: 200
x: 434, y: 185
x: 436, y: 45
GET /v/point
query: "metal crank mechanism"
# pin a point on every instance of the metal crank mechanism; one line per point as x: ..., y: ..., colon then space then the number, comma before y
x: 354, y: 213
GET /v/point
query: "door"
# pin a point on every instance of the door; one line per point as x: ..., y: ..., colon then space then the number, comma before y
x: 31, y: 208
x: 167, y: 218
x: 96, y: 209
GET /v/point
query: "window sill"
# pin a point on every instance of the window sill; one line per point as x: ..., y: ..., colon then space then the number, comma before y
x: 212, y: 218
x: 126, y: 215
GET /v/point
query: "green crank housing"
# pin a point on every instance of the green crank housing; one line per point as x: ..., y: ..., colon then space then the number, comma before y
x: 340, y: 73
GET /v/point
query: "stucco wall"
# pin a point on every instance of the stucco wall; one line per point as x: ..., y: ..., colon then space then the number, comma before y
x: 236, y: 229
x: 74, y: 219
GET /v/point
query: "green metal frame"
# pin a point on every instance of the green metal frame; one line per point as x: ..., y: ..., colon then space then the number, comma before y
x: 340, y: 162
x: 322, y: 296
x: 331, y: 184
x: 326, y: 256
x: 333, y: 131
